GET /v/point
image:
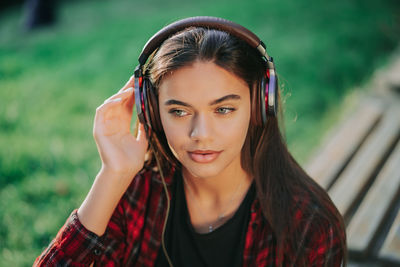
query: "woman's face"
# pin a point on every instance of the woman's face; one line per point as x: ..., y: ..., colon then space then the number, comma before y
x: 205, y: 113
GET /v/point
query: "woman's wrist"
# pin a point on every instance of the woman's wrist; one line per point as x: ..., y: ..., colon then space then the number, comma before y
x: 116, y: 175
x: 102, y: 199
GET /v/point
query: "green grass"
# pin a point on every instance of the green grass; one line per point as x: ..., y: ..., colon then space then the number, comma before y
x: 53, y: 79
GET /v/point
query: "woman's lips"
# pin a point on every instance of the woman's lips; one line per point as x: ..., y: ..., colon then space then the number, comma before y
x: 204, y: 156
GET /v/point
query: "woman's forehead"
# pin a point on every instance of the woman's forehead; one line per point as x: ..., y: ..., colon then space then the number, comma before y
x: 202, y: 82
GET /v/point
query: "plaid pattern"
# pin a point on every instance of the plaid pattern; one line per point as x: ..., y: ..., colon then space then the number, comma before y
x: 133, y: 235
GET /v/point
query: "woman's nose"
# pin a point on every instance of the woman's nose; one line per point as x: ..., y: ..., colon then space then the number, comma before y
x: 201, y: 128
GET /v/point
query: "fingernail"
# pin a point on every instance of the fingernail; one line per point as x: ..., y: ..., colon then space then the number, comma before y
x: 116, y: 99
x: 128, y: 89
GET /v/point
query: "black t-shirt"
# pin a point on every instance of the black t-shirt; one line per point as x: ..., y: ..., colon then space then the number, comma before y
x: 222, y: 247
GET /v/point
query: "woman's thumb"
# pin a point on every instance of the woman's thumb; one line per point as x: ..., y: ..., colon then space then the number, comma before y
x: 142, y: 136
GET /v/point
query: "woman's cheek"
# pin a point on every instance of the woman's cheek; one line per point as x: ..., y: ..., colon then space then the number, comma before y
x: 236, y: 127
x: 174, y: 135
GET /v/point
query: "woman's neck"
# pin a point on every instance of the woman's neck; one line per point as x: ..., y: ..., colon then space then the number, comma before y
x: 216, y: 189
x: 211, y: 201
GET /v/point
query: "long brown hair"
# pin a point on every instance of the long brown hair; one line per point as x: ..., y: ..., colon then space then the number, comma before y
x: 279, y: 178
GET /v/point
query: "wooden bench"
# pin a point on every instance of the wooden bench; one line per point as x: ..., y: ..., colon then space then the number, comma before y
x: 359, y: 166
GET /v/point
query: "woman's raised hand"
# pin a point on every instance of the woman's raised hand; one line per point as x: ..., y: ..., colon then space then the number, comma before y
x: 122, y: 155
x: 121, y: 152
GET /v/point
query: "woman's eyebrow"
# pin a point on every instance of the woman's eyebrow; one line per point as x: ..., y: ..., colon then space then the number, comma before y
x: 224, y: 98
x: 176, y: 102
x: 214, y: 102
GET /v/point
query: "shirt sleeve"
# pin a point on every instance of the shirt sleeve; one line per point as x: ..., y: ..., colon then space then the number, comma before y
x: 75, y: 245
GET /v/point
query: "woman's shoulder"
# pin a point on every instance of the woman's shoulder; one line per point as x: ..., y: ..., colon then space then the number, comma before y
x: 319, y: 224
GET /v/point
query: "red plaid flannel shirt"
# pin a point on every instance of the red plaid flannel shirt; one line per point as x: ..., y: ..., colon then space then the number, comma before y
x: 133, y: 235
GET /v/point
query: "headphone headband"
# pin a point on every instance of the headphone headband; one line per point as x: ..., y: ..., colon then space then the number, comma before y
x: 204, y: 21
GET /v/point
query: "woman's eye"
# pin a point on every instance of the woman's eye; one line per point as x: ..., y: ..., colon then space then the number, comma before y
x: 224, y: 110
x: 178, y: 112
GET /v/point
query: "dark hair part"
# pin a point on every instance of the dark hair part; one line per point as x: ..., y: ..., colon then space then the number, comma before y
x: 280, y: 181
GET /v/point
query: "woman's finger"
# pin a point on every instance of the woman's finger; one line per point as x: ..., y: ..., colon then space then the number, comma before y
x: 122, y: 94
x: 110, y: 112
x: 107, y: 105
x: 122, y: 100
x: 129, y: 83
x: 117, y: 99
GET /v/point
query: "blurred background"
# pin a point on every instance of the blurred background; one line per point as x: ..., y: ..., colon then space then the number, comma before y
x: 59, y: 63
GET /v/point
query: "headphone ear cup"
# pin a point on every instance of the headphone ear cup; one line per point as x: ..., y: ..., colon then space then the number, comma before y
x: 146, y: 103
x: 268, y: 95
x: 138, y: 90
x: 272, y: 100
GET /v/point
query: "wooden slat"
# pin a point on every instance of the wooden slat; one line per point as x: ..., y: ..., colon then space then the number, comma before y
x: 364, y: 163
x: 343, y: 141
x: 391, y: 247
x: 375, y: 204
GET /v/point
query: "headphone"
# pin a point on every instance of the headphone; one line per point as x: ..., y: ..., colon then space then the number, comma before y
x: 145, y: 98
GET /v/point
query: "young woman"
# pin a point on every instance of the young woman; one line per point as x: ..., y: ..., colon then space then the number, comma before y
x: 208, y: 180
